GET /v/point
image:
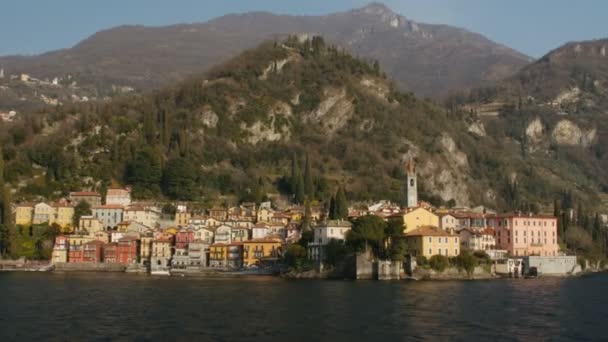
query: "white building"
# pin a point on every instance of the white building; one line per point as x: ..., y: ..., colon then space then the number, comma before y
x: 110, y: 215
x: 477, y: 240
x: 223, y: 234
x: 447, y: 222
x: 324, y: 233
x: 118, y: 196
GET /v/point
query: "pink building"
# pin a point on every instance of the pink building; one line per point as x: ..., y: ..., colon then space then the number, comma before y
x: 523, y: 235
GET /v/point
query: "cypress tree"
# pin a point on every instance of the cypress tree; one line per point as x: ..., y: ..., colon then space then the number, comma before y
x: 333, y: 215
x: 295, y: 171
x: 309, y: 187
x: 341, y: 204
x: 307, y: 219
x: 299, y: 195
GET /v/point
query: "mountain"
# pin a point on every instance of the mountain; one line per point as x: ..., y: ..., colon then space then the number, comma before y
x: 426, y: 59
x: 556, y: 111
x: 237, y: 133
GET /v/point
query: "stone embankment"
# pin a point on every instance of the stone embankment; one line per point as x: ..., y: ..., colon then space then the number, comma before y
x: 88, y: 267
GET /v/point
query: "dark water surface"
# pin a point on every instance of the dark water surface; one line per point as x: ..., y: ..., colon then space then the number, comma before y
x: 103, y: 306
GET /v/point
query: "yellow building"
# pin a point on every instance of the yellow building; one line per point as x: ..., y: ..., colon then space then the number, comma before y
x: 24, y: 214
x: 91, y: 224
x: 428, y: 241
x: 257, y: 250
x: 182, y: 219
x: 418, y: 217
x: 264, y: 214
x: 64, y: 216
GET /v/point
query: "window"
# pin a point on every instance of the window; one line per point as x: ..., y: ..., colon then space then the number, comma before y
x: 430, y: 251
x: 439, y: 251
x: 456, y: 251
x: 430, y: 239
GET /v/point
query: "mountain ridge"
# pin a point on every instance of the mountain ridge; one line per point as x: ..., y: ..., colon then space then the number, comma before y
x: 423, y: 58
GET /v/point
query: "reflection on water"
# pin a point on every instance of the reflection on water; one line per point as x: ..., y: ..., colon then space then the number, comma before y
x: 119, y: 306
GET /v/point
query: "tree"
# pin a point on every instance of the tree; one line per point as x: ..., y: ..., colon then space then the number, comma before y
x: 83, y: 208
x: 179, y: 179
x: 295, y: 256
x: 333, y: 214
x: 299, y: 195
x: 367, y: 231
x: 145, y: 173
x: 439, y: 262
x: 334, y: 252
x: 306, y: 219
x: 309, y: 187
x: 341, y: 204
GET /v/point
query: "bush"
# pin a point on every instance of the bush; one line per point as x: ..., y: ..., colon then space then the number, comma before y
x: 421, y: 260
x: 466, y: 261
x: 582, y: 262
x: 295, y: 256
x: 439, y: 263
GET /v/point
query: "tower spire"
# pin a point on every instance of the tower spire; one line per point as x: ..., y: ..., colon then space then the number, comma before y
x: 411, y: 187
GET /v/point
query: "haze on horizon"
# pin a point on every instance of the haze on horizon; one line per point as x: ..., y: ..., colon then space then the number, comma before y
x: 533, y: 28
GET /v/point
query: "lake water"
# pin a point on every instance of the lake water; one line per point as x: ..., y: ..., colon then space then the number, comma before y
x: 104, y: 306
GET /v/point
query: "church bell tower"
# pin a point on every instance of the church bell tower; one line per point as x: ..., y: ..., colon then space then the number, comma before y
x: 411, y: 188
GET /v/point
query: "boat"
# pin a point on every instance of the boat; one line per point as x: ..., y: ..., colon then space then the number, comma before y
x: 160, y: 272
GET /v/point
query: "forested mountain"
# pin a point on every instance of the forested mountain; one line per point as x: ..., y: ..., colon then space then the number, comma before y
x: 426, y: 59
x: 239, y: 130
x: 555, y: 110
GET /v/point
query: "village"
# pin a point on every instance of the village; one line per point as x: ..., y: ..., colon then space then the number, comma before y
x: 121, y: 234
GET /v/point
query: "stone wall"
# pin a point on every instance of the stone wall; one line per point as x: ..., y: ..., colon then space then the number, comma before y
x: 558, y: 265
x: 89, y: 266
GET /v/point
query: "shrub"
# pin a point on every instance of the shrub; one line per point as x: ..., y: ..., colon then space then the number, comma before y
x: 582, y: 262
x: 439, y: 263
x: 295, y: 256
x: 467, y: 262
x: 421, y: 260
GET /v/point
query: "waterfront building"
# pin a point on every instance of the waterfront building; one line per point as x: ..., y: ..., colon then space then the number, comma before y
x: 180, y: 258
x: 91, y: 197
x: 90, y: 251
x: 160, y: 258
x: 525, y: 235
x: 145, y: 250
x: 128, y: 250
x: 60, y: 249
x: 258, y: 250
x: 428, y: 241
x: 477, y: 240
x: 110, y: 215
x: 226, y: 255
x: 118, y: 196
x: 198, y: 254
x: 325, y: 232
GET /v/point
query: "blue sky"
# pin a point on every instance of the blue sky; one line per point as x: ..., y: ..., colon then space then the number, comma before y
x: 531, y: 26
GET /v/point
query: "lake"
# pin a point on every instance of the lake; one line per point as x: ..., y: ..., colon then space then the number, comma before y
x: 116, y: 306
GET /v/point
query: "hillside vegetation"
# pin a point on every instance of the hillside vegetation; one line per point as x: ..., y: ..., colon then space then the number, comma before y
x: 236, y: 132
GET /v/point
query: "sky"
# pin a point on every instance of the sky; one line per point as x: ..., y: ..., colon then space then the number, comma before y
x: 533, y: 27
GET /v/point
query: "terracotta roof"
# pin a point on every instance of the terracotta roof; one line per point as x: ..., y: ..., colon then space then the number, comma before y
x: 108, y: 206
x: 84, y: 193
x: 522, y: 215
x: 429, y: 231
x: 264, y: 240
